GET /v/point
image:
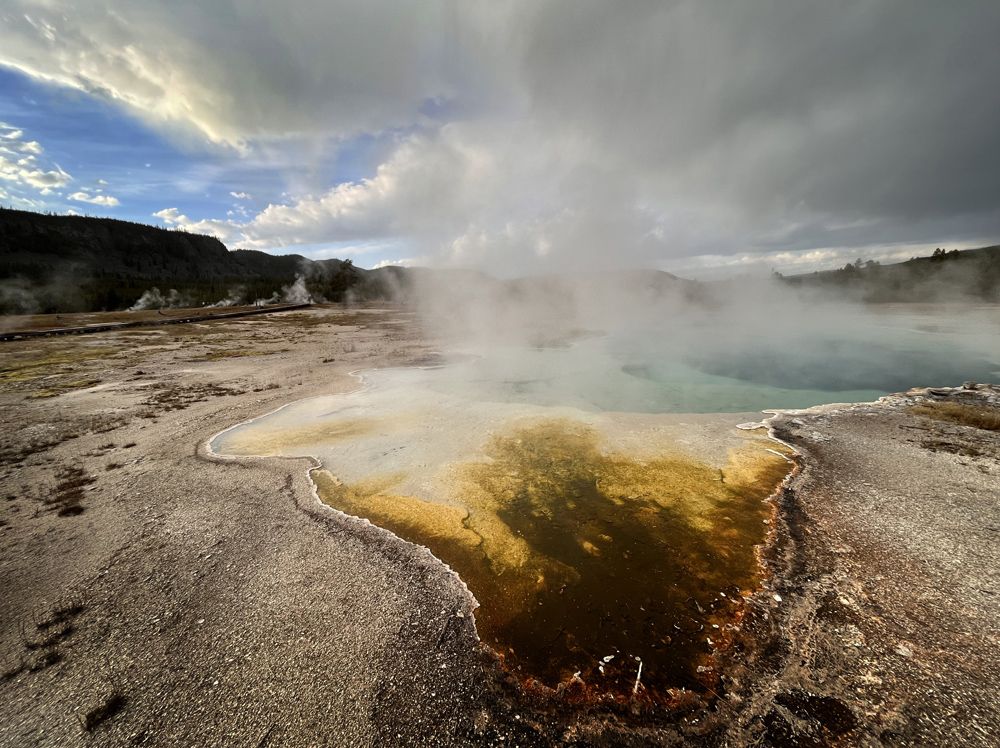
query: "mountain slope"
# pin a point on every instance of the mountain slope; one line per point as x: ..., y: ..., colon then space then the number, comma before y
x: 970, y: 275
x: 72, y: 263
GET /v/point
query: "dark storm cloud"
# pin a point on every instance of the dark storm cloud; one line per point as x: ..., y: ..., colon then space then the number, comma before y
x: 592, y: 132
x: 856, y: 110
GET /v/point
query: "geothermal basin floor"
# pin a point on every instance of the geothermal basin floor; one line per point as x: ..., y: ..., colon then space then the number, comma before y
x: 153, y: 596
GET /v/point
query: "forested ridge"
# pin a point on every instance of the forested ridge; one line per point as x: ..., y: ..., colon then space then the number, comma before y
x: 966, y: 275
x: 52, y: 263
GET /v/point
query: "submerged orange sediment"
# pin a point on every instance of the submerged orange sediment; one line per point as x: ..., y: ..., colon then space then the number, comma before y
x: 587, y: 561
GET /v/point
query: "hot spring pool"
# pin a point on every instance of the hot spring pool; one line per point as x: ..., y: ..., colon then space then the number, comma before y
x: 594, y: 495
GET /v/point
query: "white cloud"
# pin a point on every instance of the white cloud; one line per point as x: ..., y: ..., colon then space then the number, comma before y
x: 106, y: 201
x: 241, y: 195
x: 170, y: 216
x: 19, y: 163
x: 20, y: 202
x: 402, y: 262
x: 407, y: 194
x: 222, y: 230
x: 458, y: 195
x: 22, y: 172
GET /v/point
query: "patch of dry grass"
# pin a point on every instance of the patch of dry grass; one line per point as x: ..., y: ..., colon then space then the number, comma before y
x: 62, y: 386
x: 977, y: 416
x: 49, y: 368
x: 166, y: 398
x: 18, y: 450
x: 28, y: 364
x: 67, y: 499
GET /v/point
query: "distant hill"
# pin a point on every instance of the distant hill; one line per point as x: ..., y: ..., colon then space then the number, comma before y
x: 967, y: 275
x: 52, y: 263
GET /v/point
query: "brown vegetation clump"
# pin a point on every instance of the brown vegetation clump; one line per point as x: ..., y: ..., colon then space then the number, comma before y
x: 40, y: 643
x: 67, y: 499
x: 167, y: 398
x: 109, y: 706
x: 977, y: 416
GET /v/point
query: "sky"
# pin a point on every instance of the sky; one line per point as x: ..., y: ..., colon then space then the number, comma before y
x: 703, y: 137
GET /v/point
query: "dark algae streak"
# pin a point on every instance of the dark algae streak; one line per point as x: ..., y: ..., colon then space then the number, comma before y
x: 597, y: 571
